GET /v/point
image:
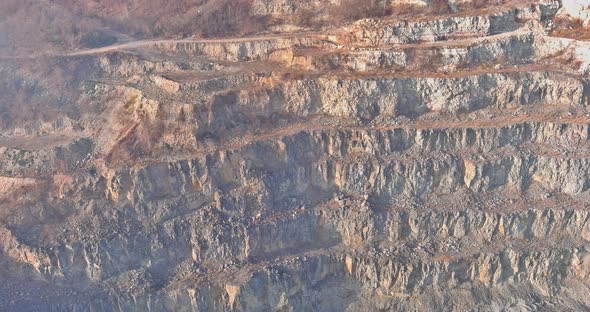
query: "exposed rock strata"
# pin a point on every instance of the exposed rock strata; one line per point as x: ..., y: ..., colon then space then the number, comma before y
x: 432, y: 163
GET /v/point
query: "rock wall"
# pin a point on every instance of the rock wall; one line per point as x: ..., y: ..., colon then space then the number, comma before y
x: 431, y: 162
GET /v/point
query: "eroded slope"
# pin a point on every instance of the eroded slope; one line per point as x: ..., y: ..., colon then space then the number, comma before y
x: 433, y: 157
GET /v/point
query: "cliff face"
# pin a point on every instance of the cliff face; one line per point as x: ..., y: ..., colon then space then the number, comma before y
x: 424, y: 155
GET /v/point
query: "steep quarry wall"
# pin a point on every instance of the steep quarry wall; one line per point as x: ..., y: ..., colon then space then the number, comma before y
x: 432, y: 161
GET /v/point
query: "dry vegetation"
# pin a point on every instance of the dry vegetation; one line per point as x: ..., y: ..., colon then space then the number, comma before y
x: 30, y: 26
x: 39, y: 90
x: 571, y: 28
x: 202, y: 18
x: 350, y: 10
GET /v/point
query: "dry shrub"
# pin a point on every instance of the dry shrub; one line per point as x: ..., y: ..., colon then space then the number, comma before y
x: 478, y: 4
x: 350, y: 10
x: 429, y: 61
x: 232, y: 17
x: 440, y: 7
x: 570, y: 28
x: 307, y: 18
x: 403, y: 9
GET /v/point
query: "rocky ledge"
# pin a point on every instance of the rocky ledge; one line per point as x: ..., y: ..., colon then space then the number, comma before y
x: 418, y: 162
